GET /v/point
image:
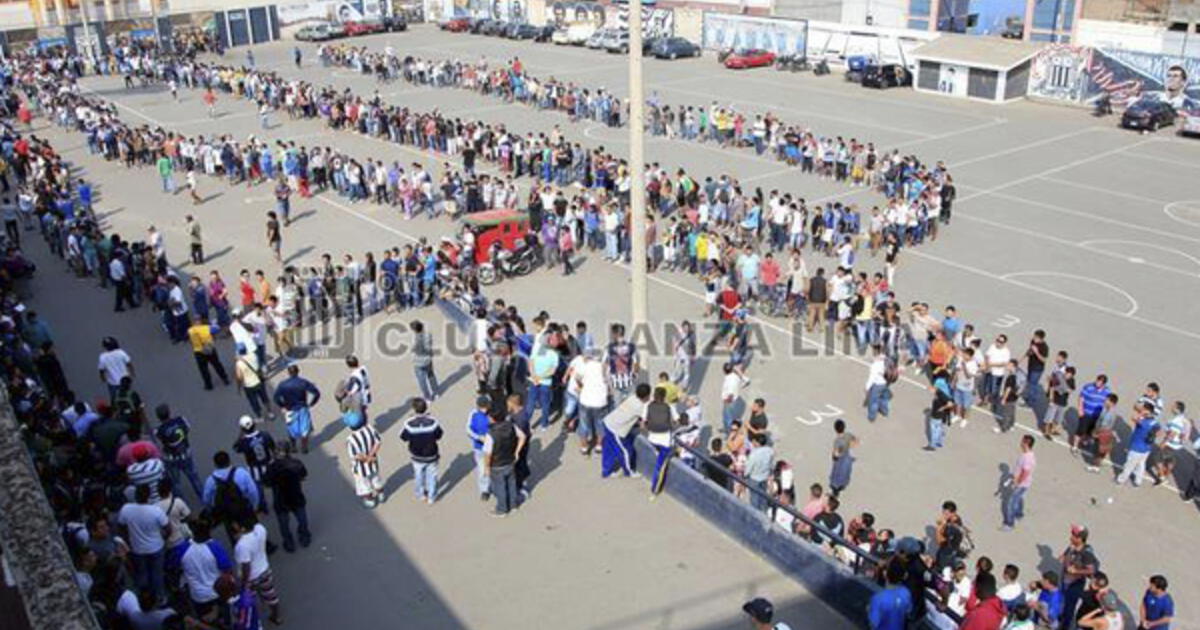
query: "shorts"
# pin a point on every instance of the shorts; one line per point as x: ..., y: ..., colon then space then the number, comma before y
x: 299, y: 422
x: 366, y: 485
x: 591, y: 422
x: 264, y: 586
x: 964, y: 398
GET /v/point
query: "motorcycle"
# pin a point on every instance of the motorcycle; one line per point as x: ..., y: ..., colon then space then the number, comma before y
x: 723, y: 54
x: 1103, y: 106
x: 821, y: 68
x: 791, y: 63
x: 503, y: 263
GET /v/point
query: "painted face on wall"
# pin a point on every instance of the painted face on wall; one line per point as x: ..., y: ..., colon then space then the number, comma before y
x: 1176, y: 81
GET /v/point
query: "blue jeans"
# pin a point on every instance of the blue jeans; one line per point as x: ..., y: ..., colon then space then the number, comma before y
x: 427, y: 381
x: 185, y: 467
x: 425, y: 478
x: 662, y: 456
x: 148, y: 572
x: 285, y: 529
x: 539, y: 396
x: 482, y: 480
x: 759, y: 501
x: 168, y: 184
x: 504, y: 488
x: 728, y: 414
x: 878, y: 398
x: 937, y: 432
x: 1014, y: 507
x: 1033, y: 387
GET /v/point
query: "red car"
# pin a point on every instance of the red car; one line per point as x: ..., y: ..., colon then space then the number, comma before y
x: 456, y: 25
x: 750, y: 59
x: 365, y: 27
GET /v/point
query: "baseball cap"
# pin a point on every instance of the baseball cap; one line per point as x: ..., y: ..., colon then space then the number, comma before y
x: 909, y: 545
x: 1078, y: 530
x: 483, y: 401
x: 246, y: 422
x: 759, y: 610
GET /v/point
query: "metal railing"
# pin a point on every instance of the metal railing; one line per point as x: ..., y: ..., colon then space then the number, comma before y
x: 864, y: 565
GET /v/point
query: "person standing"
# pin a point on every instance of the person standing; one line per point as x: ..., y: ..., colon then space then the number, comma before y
x: 274, y: 236
x: 543, y: 364
x: 423, y: 361
x: 878, y: 393
x: 731, y: 390
x: 253, y: 567
x: 249, y: 377
x: 285, y: 475
x: 759, y: 465
x: 1157, y: 609
x: 147, y: 528
x: 1021, y: 481
x: 477, y: 430
x: 1091, y: 403
x: 890, y: 607
x: 195, y: 239
x: 843, y: 458
x: 1079, y: 563
x: 166, y: 172
x: 422, y: 433
x: 296, y: 396
x: 205, y: 352
x: 1141, y: 442
x: 258, y: 451
x: 939, y: 412
x: 115, y: 365
x: 174, y: 438
x: 210, y: 102
x: 1035, y: 365
x: 363, y: 445
x: 283, y: 200
x: 660, y: 419
x: 500, y: 447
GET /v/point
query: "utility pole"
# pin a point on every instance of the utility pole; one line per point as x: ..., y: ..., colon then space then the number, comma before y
x: 637, y: 161
x: 90, y: 55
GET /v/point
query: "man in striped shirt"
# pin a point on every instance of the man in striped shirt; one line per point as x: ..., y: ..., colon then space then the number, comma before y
x: 146, y: 470
x: 363, y: 445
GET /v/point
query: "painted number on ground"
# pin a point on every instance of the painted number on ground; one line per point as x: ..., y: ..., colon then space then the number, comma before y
x: 817, y: 417
x: 1006, y: 321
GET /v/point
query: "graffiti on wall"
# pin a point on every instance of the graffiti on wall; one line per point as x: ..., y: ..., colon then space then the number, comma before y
x: 655, y: 22
x: 327, y: 10
x: 1082, y: 74
x: 725, y: 31
x: 569, y: 13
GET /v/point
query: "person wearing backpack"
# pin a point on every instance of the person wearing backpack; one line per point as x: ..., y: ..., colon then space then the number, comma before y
x: 230, y: 493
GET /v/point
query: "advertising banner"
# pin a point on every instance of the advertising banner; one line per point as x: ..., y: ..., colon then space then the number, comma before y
x: 724, y: 31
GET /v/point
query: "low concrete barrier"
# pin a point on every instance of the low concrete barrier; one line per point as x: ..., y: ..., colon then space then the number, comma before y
x: 797, y: 558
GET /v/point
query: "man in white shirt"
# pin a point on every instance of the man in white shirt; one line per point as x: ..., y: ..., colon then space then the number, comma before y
x: 253, y: 568
x: 148, y: 528
x: 178, y: 306
x: 114, y: 365
x: 731, y: 389
x: 995, y: 360
x: 877, y: 386
x: 588, y: 376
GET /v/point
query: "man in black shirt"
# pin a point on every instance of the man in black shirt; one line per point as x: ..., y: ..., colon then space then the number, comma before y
x: 717, y: 470
x: 1036, y: 356
x: 286, y: 475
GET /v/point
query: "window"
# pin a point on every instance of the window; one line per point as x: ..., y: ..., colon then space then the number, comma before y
x: 1068, y: 15
x: 1045, y: 15
x: 1041, y: 37
x: 919, y: 25
x: 919, y: 8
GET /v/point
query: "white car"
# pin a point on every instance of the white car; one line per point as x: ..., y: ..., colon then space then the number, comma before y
x: 1188, y: 123
x: 573, y: 35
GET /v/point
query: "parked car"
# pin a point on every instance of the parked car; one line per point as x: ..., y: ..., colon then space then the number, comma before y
x: 573, y: 35
x: 479, y: 24
x: 320, y: 32
x: 885, y: 75
x: 368, y: 26
x: 493, y: 28
x: 620, y: 43
x: 855, y: 65
x: 1189, y: 123
x: 525, y: 31
x: 674, y: 48
x: 1148, y: 114
x: 395, y: 23
x: 545, y: 33
x: 599, y: 39
x: 456, y: 25
x: 753, y: 58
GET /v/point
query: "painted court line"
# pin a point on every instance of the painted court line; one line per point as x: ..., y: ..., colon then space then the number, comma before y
x: 1107, y: 191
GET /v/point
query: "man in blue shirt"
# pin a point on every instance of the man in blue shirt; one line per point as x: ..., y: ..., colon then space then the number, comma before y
x: 1091, y: 403
x: 890, y: 607
x: 1158, y: 609
x: 296, y: 395
x: 1140, y: 443
x: 477, y: 429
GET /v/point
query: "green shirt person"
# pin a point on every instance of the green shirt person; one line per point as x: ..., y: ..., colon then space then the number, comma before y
x: 165, y: 171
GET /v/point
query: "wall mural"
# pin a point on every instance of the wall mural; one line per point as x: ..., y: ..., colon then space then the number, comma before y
x: 1081, y: 74
x: 724, y: 31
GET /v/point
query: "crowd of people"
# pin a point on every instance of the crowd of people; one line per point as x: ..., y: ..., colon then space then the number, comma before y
x: 845, y: 160
x: 106, y: 465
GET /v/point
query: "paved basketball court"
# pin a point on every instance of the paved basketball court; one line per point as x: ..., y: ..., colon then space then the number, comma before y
x: 1063, y: 222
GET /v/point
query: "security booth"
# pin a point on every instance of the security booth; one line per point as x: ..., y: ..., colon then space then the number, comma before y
x: 992, y: 69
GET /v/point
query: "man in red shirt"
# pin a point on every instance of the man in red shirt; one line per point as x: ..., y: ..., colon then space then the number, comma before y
x: 729, y: 302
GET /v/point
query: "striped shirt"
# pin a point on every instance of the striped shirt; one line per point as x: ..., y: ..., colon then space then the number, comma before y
x: 1093, y: 398
x: 146, y: 473
x: 360, y: 442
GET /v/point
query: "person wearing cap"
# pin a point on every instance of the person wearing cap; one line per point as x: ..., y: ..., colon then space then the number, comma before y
x: 363, y: 446
x: 477, y: 430
x: 296, y: 396
x: 258, y: 449
x: 1078, y: 564
x: 762, y: 615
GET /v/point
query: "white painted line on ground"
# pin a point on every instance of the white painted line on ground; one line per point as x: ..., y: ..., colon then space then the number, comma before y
x: 1023, y: 147
x: 1107, y: 191
x: 1155, y: 158
x: 1173, y: 207
x: 1133, y: 304
x: 959, y: 132
x: 1114, y: 241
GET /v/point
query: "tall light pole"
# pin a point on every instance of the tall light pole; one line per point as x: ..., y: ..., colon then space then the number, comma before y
x: 637, y: 161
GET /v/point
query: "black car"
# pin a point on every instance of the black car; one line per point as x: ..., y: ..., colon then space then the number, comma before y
x: 1148, y: 115
x: 885, y: 76
x: 544, y: 33
x: 395, y: 23
x: 494, y: 28
x: 524, y: 31
x: 674, y: 48
x: 478, y: 25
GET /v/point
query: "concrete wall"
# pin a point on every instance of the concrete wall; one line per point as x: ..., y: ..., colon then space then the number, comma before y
x: 827, y: 10
x: 798, y: 559
x: 1127, y: 35
x: 29, y: 535
x: 892, y: 14
x: 689, y: 23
